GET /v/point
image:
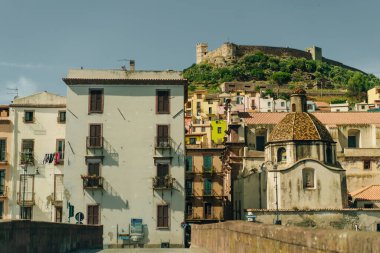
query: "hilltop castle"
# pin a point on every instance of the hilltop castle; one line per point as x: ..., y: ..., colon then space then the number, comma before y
x: 230, y: 52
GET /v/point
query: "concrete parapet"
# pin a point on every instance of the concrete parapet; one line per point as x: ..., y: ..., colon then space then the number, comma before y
x: 242, y: 236
x: 47, y: 237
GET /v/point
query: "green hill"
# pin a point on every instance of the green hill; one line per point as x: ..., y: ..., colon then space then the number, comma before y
x: 282, y: 71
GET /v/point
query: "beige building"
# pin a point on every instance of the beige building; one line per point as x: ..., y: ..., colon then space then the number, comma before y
x: 6, y: 132
x: 38, y: 152
x: 300, y: 169
x: 125, y: 165
x: 374, y: 96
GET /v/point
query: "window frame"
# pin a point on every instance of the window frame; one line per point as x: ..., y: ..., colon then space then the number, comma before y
x: 90, y: 95
x: 90, y: 136
x: 305, y: 171
x: 367, y: 165
x: 88, y: 216
x: 59, y: 119
x: 62, y: 158
x: 3, y: 151
x: 168, y: 217
x: 58, y: 219
x: 33, y: 117
x: 162, y: 110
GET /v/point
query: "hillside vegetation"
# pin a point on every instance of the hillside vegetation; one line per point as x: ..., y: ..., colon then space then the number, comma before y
x: 288, y: 71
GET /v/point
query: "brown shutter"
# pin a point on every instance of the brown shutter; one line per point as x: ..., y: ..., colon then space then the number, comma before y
x: 165, y: 216
x: 96, y: 214
x: 159, y: 216
x: 162, y: 135
x: 163, y: 101
x: 90, y: 216
x: 95, y: 135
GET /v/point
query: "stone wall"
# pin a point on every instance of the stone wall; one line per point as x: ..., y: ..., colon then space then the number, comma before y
x: 248, y: 237
x: 46, y: 237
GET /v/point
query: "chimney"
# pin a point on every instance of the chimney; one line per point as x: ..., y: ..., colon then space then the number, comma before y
x: 132, y: 65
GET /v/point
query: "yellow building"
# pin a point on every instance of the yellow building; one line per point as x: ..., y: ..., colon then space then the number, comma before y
x: 374, y: 96
x: 218, y: 128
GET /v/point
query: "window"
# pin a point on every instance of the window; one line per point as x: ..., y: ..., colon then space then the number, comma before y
x: 60, y: 151
x: 1, y: 210
x: 293, y: 107
x: 308, y: 178
x: 352, y: 141
x: 61, y: 116
x: 210, y: 110
x: 207, y: 187
x: 367, y: 164
x: 281, y: 155
x: 189, y: 187
x: 368, y: 205
x: 26, y: 212
x: 189, y: 208
x: 282, y: 104
x: 199, y: 96
x: 27, y: 151
x: 163, y: 136
x: 2, y: 183
x: 163, y: 101
x: 203, y: 129
x: 29, y: 116
x: 95, y: 140
x: 189, y: 163
x: 207, y: 210
x: 209, y: 102
x: 93, y: 172
x: 329, y: 155
x: 93, y: 214
x: 207, y: 163
x: 193, y: 141
x: 58, y: 187
x: 96, y: 101
x: 219, y: 130
x: 260, y: 143
x: 162, y: 173
x: 58, y: 214
x: 3, y: 150
x: 162, y: 216
x: 269, y: 103
x: 363, y: 107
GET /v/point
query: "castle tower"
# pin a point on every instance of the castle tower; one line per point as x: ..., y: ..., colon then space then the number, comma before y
x: 316, y: 53
x: 202, y: 49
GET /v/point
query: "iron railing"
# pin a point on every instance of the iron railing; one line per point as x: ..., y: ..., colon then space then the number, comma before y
x: 92, y: 181
x: 94, y: 142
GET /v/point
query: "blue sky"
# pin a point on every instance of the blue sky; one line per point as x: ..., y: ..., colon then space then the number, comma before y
x: 41, y: 39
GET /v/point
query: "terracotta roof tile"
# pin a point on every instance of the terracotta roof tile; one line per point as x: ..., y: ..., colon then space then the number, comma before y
x: 371, y: 192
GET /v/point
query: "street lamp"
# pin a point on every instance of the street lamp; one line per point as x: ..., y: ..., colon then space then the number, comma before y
x: 277, y: 221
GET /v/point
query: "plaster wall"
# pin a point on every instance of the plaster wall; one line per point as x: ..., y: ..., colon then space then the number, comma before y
x: 129, y: 124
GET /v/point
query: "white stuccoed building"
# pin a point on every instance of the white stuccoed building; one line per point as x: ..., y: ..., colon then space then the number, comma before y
x: 38, y: 145
x: 124, y: 163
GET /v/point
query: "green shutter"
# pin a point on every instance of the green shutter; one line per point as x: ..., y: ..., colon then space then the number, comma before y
x: 207, y: 162
x: 189, y: 163
x: 207, y: 187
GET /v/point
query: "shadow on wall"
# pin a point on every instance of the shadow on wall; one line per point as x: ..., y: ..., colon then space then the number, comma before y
x: 108, y: 197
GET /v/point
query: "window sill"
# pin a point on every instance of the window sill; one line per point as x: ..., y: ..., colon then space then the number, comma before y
x: 163, y: 228
x: 162, y: 112
x: 95, y: 112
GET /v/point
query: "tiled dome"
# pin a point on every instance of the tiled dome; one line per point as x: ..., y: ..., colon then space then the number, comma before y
x: 300, y: 126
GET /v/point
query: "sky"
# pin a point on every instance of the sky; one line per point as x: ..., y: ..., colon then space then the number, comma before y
x: 41, y: 40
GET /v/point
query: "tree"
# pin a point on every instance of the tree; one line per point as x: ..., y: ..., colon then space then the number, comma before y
x: 280, y: 78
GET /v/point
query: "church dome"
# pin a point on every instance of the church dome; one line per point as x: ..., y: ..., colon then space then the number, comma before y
x: 300, y: 126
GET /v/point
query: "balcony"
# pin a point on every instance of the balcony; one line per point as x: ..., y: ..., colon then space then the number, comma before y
x: 25, y: 198
x: 26, y: 158
x: 213, y: 216
x: 4, y: 192
x: 212, y: 193
x: 162, y: 142
x: 162, y: 183
x: 94, y: 142
x: 362, y: 152
x: 204, y: 146
x: 192, y: 217
x: 92, y: 182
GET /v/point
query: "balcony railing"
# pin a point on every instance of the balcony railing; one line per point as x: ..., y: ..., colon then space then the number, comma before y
x: 163, y: 142
x: 213, y: 216
x: 192, y: 216
x: 166, y: 182
x: 94, y: 142
x: 92, y: 181
x: 27, y: 158
x: 4, y: 192
x: 25, y: 198
x: 211, y: 193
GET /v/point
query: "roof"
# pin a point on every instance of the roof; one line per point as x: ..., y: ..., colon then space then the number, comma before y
x: 75, y: 76
x: 300, y: 126
x: 371, y: 192
x: 42, y: 99
x: 327, y: 118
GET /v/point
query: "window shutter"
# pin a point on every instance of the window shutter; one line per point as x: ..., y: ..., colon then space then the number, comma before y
x: 207, y: 162
x: 159, y: 216
x: 165, y: 216
x: 189, y: 163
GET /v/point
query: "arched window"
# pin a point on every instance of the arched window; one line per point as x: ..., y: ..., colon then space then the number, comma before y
x: 281, y: 155
x: 293, y: 107
x: 353, y: 138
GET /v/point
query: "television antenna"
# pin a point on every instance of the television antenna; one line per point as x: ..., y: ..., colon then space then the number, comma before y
x: 13, y: 91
